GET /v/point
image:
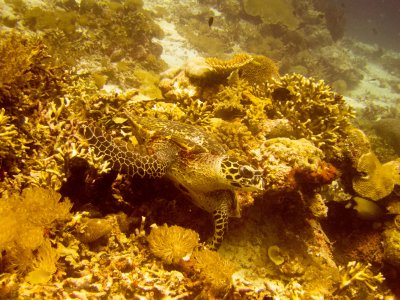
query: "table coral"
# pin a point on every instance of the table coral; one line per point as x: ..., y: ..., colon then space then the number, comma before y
x: 375, y: 180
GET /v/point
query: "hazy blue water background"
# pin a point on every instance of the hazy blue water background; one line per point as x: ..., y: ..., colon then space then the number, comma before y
x: 373, y: 21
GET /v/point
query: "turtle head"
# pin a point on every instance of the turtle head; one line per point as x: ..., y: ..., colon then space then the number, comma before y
x: 241, y: 175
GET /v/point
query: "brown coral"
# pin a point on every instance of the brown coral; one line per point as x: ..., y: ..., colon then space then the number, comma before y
x: 375, y: 181
x: 173, y: 243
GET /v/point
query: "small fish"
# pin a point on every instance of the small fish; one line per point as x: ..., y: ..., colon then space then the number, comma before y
x: 210, y: 21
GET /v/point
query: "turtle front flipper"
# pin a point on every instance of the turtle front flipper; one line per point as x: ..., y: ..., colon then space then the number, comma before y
x: 120, y: 157
x: 221, y: 215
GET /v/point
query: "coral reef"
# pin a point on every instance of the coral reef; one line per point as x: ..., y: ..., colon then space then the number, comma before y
x: 391, y: 239
x: 83, y: 61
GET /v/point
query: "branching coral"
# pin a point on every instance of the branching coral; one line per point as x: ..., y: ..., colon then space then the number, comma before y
x: 26, y: 72
x: 315, y: 111
x: 375, y: 181
x: 173, y: 243
x: 356, y: 271
x: 8, y: 133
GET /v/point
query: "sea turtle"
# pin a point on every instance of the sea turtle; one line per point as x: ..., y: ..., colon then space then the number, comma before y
x: 190, y: 157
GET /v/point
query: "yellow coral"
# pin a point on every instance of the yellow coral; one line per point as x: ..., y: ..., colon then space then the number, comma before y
x: 24, y: 219
x: 356, y: 271
x: 46, y: 205
x: 173, y: 243
x: 215, y: 270
x: 227, y: 66
x: 375, y: 181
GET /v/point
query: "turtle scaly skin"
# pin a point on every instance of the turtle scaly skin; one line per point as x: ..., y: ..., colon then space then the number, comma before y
x: 190, y: 158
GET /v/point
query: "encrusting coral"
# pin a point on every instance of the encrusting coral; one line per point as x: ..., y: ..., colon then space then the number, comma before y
x: 375, y: 180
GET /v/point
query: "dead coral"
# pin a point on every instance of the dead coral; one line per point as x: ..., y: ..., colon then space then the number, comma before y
x: 173, y: 243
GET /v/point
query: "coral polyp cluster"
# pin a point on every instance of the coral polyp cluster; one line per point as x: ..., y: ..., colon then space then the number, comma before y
x: 172, y: 244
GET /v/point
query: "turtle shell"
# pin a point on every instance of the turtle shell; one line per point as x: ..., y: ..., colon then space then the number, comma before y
x: 192, y: 139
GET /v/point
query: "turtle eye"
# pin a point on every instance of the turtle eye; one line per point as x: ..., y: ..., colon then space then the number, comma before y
x: 246, y: 171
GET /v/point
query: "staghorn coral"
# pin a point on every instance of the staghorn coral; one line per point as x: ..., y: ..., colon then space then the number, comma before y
x: 172, y: 243
x: 8, y: 133
x: 356, y: 271
x: 215, y: 270
x: 315, y: 112
x: 26, y: 73
x: 375, y: 181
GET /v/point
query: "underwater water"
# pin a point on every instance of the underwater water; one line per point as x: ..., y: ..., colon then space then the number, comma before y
x: 374, y: 22
x: 199, y: 149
